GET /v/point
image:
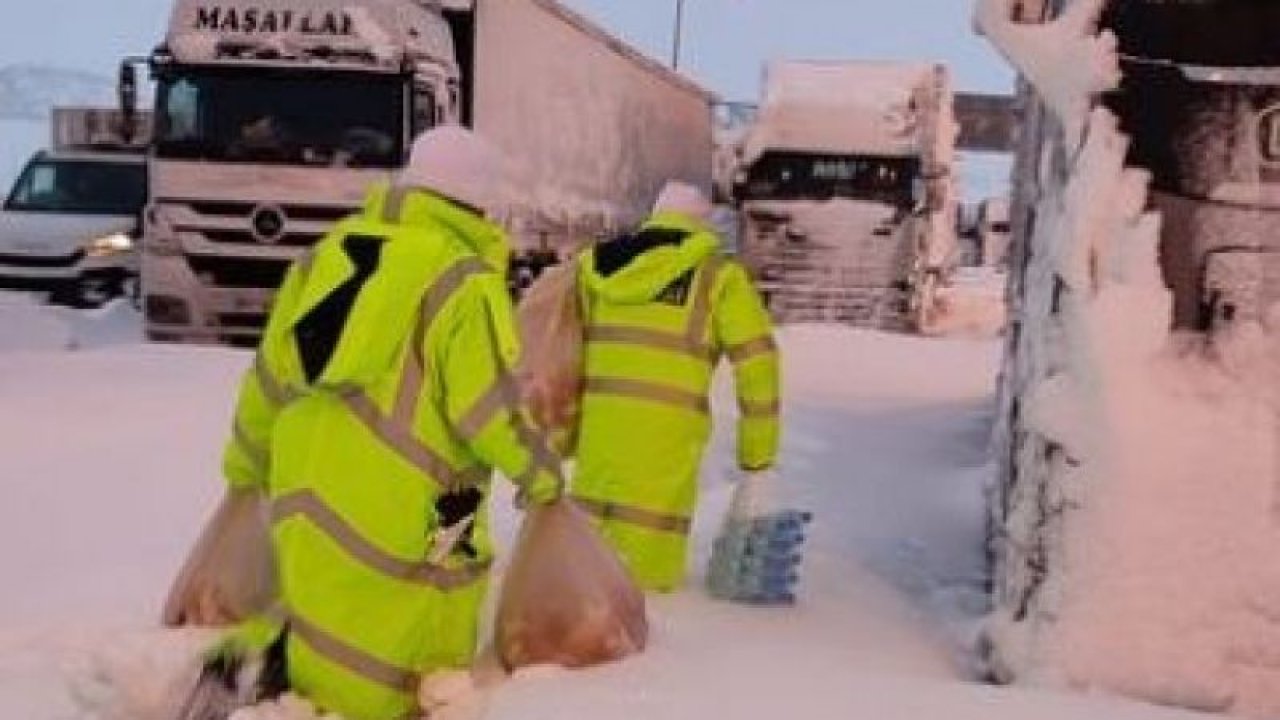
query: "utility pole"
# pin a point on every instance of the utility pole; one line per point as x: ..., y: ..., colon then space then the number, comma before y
x: 679, y: 29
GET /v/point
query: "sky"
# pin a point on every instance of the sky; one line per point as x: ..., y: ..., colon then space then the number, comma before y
x: 725, y: 42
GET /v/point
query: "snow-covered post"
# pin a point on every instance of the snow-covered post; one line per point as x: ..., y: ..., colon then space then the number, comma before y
x: 1133, y: 530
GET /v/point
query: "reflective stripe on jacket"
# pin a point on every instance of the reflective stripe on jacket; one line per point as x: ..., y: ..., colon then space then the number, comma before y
x: 656, y: 329
x: 415, y: 401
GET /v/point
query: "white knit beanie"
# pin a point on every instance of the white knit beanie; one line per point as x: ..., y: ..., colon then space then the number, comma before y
x: 458, y: 164
x: 680, y: 197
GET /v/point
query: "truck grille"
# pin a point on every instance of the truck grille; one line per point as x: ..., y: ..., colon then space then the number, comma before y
x: 317, y: 213
x: 238, y: 272
x: 295, y: 226
x: 42, y: 261
x: 244, y: 237
x: 243, y: 321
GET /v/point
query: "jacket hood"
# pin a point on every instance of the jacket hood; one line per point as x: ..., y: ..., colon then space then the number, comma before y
x: 367, y: 278
x: 645, y: 276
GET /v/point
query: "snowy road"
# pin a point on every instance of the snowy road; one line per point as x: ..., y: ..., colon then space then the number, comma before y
x: 111, y: 460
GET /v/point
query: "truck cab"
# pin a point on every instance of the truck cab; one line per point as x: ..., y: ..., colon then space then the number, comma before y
x: 70, y: 224
x: 272, y: 119
x: 848, y: 205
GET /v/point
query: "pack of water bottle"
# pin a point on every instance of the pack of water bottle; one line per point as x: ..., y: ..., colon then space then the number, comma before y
x: 756, y: 560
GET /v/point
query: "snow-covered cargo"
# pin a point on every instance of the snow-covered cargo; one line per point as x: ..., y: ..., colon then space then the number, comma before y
x: 874, y: 108
x: 847, y: 191
x: 274, y: 116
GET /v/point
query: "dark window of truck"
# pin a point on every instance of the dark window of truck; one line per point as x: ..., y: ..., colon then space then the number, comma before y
x: 80, y: 187
x: 803, y: 176
x: 293, y: 117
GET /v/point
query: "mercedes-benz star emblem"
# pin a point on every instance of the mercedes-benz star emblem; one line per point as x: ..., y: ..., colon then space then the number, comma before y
x: 268, y: 224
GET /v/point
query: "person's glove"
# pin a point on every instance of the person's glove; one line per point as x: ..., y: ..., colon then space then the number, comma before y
x: 756, y: 494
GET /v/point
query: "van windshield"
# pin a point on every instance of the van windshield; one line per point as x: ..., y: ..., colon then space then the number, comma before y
x: 257, y: 115
x: 80, y: 187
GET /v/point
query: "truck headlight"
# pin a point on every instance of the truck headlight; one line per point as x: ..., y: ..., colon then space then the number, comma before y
x: 108, y: 245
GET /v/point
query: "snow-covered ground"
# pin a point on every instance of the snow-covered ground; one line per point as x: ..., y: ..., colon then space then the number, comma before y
x: 971, y: 304
x: 111, y: 454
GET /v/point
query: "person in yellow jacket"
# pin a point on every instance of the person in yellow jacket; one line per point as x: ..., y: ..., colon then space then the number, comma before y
x: 661, y: 308
x: 379, y: 402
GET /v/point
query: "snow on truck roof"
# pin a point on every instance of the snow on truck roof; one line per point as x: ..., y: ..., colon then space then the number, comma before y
x: 377, y: 33
x: 841, y: 107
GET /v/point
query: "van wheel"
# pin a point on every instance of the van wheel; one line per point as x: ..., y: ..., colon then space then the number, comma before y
x: 73, y: 295
x: 131, y: 290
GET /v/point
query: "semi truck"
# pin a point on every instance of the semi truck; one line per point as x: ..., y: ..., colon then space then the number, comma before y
x: 275, y: 116
x: 847, y: 193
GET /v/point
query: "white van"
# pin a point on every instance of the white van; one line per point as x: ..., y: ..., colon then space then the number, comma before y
x: 70, y: 223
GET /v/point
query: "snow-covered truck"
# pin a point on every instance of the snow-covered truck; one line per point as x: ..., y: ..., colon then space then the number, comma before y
x: 847, y: 191
x: 1135, y: 519
x: 274, y: 116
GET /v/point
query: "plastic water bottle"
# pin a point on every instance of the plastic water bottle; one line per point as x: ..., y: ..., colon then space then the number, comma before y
x: 756, y: 561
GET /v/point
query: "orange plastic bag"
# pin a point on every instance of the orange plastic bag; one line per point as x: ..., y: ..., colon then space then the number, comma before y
x: 230, y: 573
x: 551, y: 334
x: 566, y: 599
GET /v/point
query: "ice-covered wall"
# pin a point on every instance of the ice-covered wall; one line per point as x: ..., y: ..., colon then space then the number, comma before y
x: 1136, y: 523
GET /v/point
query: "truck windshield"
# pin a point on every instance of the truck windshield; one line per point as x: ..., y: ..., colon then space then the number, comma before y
x: 80, y: 187
x: 256, y: 115
x: 802, y: 176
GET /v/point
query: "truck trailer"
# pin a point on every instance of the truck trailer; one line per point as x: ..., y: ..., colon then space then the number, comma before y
x: 847, y: 192
x: 275, y: 116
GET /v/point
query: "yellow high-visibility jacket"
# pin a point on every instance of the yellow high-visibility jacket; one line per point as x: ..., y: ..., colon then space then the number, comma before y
x: 659, y: 316
x: 415, y: 402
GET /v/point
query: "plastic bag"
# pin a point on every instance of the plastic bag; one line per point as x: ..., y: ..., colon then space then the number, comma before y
x: 230, y: 573
x: 551, y: 334
x: 567, y: 599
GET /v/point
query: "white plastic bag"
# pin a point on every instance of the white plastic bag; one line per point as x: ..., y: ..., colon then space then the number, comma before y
x: 230, y: 573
